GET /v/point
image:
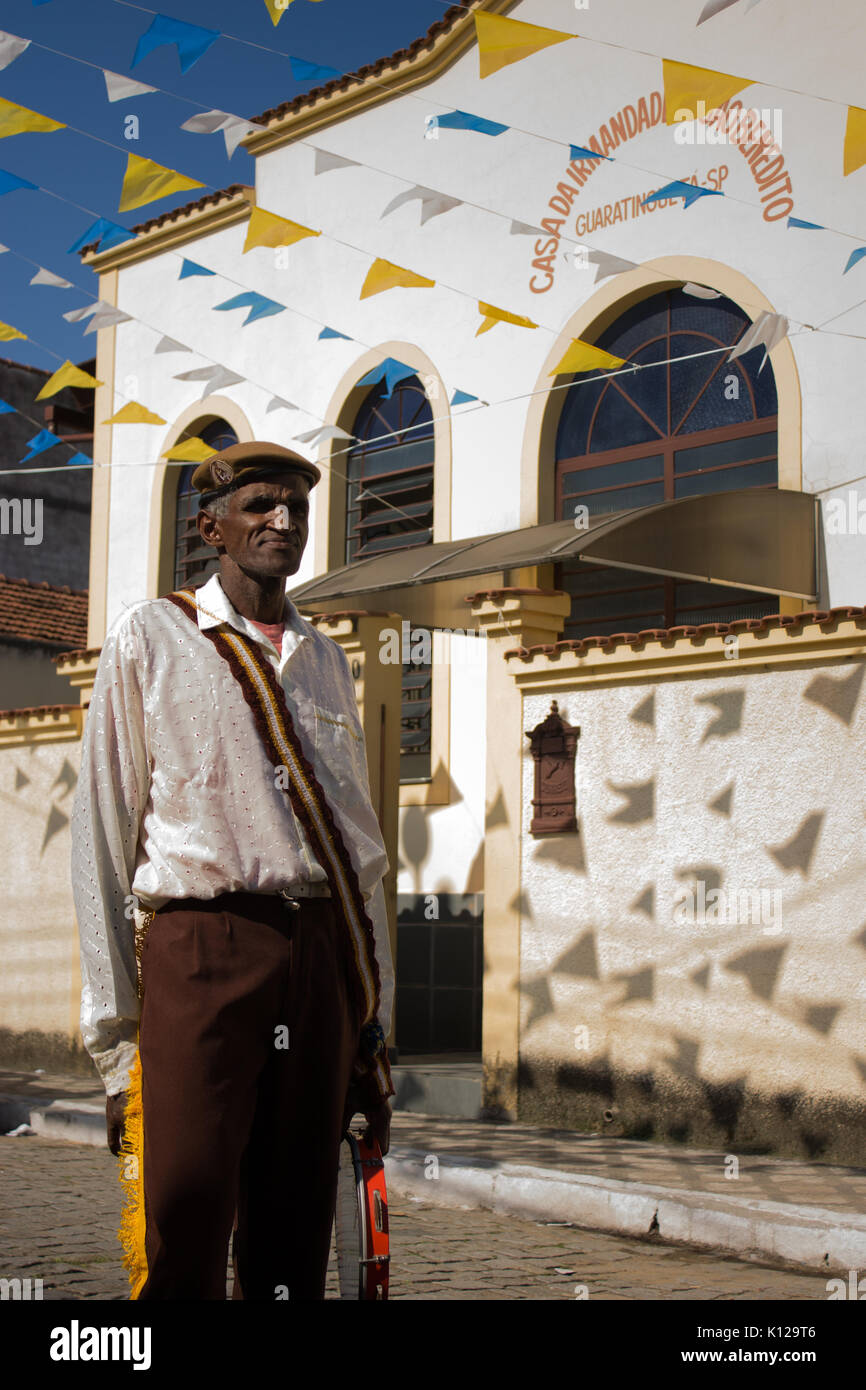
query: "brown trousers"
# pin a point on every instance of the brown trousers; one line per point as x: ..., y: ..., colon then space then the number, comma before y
x: 237, y: 1126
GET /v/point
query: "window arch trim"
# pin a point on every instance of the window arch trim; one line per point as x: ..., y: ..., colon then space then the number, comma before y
x: 608, y: 303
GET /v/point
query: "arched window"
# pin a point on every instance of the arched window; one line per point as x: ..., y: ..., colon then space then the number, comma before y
x: 679, y: 428
x: 389, y: 506
x: 195, y: 562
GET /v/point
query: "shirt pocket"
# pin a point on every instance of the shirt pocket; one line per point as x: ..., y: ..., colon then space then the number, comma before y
x: 340, y: 746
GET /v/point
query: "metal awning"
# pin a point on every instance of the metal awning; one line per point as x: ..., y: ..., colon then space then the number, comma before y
x: 755, y: 538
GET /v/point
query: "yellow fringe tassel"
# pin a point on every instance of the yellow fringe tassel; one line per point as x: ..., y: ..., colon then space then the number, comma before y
x: 131, y: 1172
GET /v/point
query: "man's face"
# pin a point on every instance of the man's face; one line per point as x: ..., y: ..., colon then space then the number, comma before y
x: 266, y: 526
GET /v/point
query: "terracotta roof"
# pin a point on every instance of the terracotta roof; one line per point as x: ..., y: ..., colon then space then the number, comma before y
x: 42, y: 614
x: 164, y: 218
x: 340, y: 84
x: 672, y: 634
x: 23, y: 366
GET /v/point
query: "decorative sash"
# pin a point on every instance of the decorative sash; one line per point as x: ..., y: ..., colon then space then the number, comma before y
x: 266, y: 698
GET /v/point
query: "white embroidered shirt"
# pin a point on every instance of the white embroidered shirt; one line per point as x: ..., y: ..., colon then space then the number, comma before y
x: 177, y: 798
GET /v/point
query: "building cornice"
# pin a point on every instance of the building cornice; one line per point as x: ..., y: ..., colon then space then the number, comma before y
x: 823, y: 637
x: 41, y: 724
x: 411, y: 67
x: 212, y: 213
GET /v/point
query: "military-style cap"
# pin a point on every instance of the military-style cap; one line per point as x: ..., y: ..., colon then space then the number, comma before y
x: 240, y: 464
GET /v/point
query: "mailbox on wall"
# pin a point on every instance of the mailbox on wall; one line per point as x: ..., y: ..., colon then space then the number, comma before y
x: 554, y: 746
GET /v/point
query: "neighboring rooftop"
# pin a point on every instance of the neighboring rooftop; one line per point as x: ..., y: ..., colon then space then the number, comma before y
x: 42, y: 614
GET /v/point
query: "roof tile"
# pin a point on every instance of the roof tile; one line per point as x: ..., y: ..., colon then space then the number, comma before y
x: 44, y: 614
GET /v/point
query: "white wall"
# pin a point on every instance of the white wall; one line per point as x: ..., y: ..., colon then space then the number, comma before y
x: 786, y: 757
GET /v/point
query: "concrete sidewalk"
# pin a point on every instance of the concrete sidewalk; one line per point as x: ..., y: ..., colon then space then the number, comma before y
x: 806, y: 1214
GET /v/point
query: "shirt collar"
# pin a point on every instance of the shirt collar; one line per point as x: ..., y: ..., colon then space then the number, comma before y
x: 213, y: 608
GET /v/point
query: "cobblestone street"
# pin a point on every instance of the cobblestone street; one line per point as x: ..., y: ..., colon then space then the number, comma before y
x: 60, y: 1205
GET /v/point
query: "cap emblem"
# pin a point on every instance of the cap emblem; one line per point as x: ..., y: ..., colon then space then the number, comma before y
x: 221, y: 473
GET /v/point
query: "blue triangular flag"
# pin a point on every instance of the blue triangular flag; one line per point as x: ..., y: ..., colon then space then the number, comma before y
x: 6, y: 408
x: 104, y: 232
x: 258, y: 304
x: 39, y: 443
x: 461, y: 397
x: 81, y: 459
x: 332, y: 333
x: 464, y: 120
x: 191, y: 40
x: 392, y: 371
x: 9, y: 182
x: 807, y: 226
x: 854, y: 258
x: 193, y: 268
x: 580, y: 152
x: 679, y: 189
x: 302, y: 71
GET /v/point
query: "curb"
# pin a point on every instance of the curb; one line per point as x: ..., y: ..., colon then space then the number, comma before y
x: 813, y: 1237
x: 75, y: 1120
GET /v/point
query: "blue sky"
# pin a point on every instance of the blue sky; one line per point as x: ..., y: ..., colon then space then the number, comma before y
x: 231, y: 76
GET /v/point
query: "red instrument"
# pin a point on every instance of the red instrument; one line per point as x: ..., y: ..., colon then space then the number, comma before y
x: 361, y: 1220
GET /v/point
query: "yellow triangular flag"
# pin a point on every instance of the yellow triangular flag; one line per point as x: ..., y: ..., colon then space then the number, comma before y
x: 67, y: 375
x: 494, y: 315
x: 276, y: 9
x: 855, y: 140
x: 685, y: 86
x: 384, y: 275
x: 134, y: 414
x: 145, y: 182
x: 268, y: 229
x: 584, y: 357
x: 503, y: 41
x: 192, y: 450
x: 7, y: 332
x: 15, y: 119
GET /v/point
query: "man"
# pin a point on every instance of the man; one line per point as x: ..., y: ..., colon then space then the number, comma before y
x: 223, y: 796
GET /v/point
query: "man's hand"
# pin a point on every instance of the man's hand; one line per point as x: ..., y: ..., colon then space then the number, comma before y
x: 377, y: 1115
x: 115, y: 1110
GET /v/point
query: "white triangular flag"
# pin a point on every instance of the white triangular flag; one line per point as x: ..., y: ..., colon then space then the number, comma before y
x: 608, y: 264
x: 167, y: 344
x: 214, y: 378
x: 233, y: 128
x: 47, y: 277
x: 2, y: 249
x: 277, y: 403
x: 768, y: 329
x: 700, y: 291
x: 76, y: 315
x: 325, y: 161
x: 524, y: 229
x: 11, y: 48
x: 106, y: 317
x: 432, y: 203
x: 322, y: 434
x: 714, y: 7
x: 119, y: 88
